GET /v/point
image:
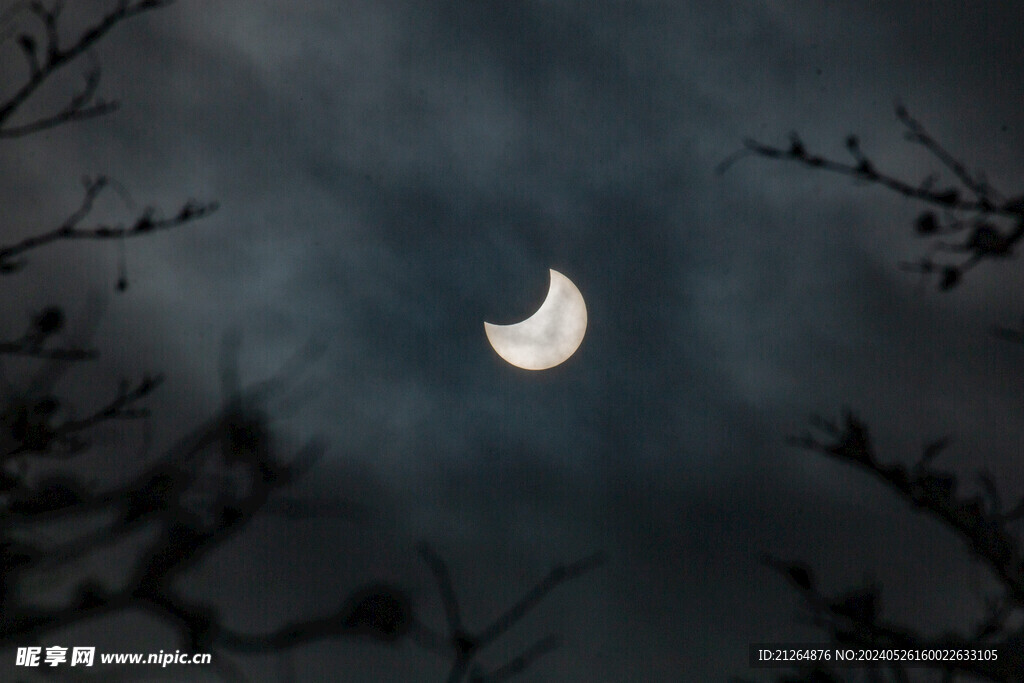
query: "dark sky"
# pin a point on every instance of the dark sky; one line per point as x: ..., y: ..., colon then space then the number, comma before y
x: 393, y: 173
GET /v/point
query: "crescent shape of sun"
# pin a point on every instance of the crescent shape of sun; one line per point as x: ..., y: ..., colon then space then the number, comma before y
x: 549, y: 336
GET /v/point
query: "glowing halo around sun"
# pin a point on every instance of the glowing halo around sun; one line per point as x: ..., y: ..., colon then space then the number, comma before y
x: 549, y: 336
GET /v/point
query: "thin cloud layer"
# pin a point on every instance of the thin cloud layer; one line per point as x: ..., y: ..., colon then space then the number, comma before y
x: 392, y: 174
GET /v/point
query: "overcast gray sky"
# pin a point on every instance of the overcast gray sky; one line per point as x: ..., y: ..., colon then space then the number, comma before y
x: 393, y: 173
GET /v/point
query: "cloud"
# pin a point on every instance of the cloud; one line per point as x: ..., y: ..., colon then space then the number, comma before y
x: 392, y: 174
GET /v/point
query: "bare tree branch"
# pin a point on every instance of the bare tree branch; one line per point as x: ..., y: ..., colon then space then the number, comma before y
x: 145, y: 224
x: 465, y: 645
x: 984, y: 192
x: 854, y: 617
x: 555, y: 578
x: 443, y: 578
x: 933, y: 491
x: 54, y: 57
x: 38, y: 438
x: 523, y: 661
x: 985, y: 238
x: 80, y: 107
x: 21, y: 349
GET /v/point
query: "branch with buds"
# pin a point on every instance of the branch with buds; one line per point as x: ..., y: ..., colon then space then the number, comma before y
x: 149, y: 221
x: 854, y: 617
x: 971, y: 206
x: 45, y: 56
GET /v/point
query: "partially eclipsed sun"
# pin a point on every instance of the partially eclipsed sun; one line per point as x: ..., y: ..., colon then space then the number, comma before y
x: 549, y: 336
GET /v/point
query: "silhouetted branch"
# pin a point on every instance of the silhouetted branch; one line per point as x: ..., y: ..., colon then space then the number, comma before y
x: 445, y: 587
x: 985, y: 239
x: 465, y: 645
x: 854, y: 617
x: 933, y: 491
x: 21, y: 349
x: 523, y: 661
x: 144, y: 224
x: 984, y: 192
x: 32, y: 432
x: 80, y: 106
x: 45, y: 63
x: 381, y: 612
x: 193, y: 511
x: 945, y: 198
x: 555, y: 578
x: 183, y: 541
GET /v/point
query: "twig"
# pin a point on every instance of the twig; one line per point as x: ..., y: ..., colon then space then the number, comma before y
x: 465, y: 645
x: 555, y: 578
x: 944, y: 199
x: 445, y: 587
x: 985, y: 241
x: 523, y: 661
x: 20, y: 349
x: 69, y: 230
x: 55, y: 57
x: 917, y: 133
x: 863, y: 628
x: 120, y: 408
x: 935, y: 492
